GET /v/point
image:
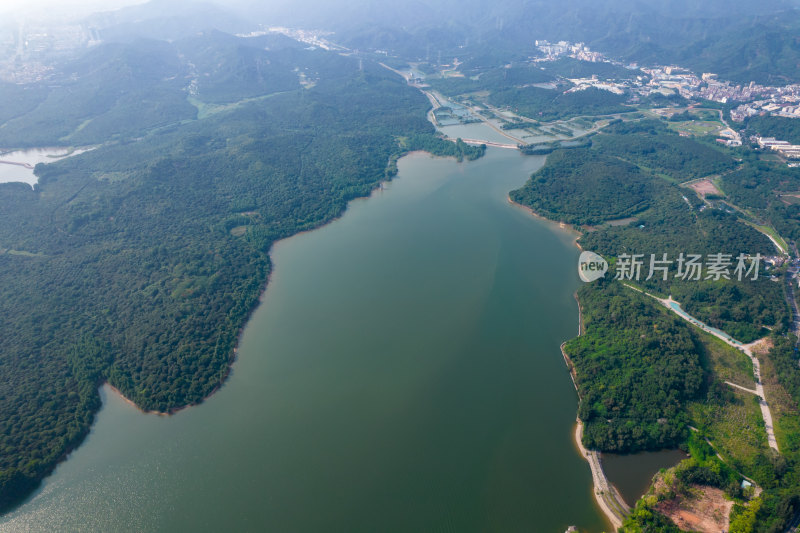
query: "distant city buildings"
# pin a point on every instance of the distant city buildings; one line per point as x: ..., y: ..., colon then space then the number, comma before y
x: 312, y: 37
x: 554, y: 51
x: 784, y: 105
x: 674, y: 80
x: 784, y: 148
x: 584, y: 83
x: 580, y: 51
x: 27, y: 51
x: 730, y: 137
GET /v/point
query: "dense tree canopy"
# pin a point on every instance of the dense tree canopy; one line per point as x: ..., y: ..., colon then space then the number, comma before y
x: 648, y: 144
x: 637, y: 367
x: 138, y: 263
x: 550, y: 104
x: 583, y: 186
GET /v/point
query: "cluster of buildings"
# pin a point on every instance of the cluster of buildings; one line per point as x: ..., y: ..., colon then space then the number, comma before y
x: 668, y: 80
x: 676, y: 80
x: 610, y: 86
x: 26, y: 50
x: 786, y: 105
x: 310, y: 37
x: 757, y: 99
x: 28, y: 72
x: 724, y: 91
x: 580, y: 51
x: 787, y: 150
x: 554, y: 51
x: 729, y: 137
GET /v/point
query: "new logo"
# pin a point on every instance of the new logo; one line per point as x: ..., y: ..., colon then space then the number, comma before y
x: 591, y: 266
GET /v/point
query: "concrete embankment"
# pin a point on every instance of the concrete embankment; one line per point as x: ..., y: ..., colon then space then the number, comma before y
x: 606, y: 494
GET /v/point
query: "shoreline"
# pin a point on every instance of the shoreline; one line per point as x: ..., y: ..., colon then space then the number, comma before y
x: 379, y: 188
x: 170, y: 412
x: 607, y: 496
x: 563, y: 226
x: 130, y: 402
x: 259, y: 300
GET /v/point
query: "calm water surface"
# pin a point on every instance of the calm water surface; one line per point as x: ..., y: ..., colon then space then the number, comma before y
x: 10, y: 173
x: 632, y: 473
x: 402, y: 374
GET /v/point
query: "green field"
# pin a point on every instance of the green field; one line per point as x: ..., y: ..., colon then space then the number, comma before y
x: 697, y: 127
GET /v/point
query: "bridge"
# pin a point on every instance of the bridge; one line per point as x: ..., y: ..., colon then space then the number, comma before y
x: 489, y: 143
x: 26, y: 165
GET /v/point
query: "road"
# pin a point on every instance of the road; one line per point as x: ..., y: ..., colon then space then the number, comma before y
x: 790, y: 280
x: 748, y: 349
x: 766, y: 413
x: 490, y: 143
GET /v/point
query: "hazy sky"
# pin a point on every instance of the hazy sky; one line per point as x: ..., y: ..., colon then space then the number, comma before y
x: 67, y: 8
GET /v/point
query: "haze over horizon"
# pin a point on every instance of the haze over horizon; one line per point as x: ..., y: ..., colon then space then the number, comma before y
x: 61, y: 8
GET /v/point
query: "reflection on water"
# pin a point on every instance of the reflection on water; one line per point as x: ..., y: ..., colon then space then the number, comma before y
x: 402, y: 374
x: 632, y: 473
x: 17, y: 165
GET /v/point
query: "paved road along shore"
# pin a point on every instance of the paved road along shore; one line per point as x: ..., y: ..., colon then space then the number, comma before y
x: 608, y: 497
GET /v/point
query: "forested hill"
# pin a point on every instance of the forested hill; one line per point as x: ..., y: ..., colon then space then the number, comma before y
x: 124, y: 90
x: 740, y: 40
x: 138, y: 263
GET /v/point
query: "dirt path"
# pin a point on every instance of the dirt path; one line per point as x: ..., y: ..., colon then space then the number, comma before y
x: 745, y: 389
x: 762, y: 399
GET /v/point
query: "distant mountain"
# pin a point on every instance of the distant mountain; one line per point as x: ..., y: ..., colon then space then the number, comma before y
x: 113, y: 89
x: 227, y: 68
x: 766, y: 51
x: 166, y: 20
x: 125, y: 89
x: 740, y: 40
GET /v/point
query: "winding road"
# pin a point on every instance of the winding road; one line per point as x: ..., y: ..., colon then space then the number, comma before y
x: 675, y: 307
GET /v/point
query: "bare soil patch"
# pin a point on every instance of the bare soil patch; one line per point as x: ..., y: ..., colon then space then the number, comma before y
x: 705, y: 510
x: 704, y: 188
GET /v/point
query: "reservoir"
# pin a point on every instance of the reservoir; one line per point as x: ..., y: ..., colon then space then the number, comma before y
x: 402, y: 373
x: 17, y: 166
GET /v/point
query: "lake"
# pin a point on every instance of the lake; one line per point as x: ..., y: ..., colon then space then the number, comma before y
x: 17, y: 165
x: 402, y: 373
